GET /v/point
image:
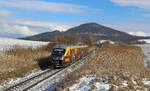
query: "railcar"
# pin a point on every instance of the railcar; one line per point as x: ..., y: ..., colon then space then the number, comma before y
x: 61, y: 55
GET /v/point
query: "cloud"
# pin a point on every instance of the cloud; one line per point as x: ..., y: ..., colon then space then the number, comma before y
x: 5, y: 13
x: 132, y: 28
x: 139, y: 33
x: 52, y: 25
x: 45, y: 6
x: 145, y: 4
x: 145, y: 15
x: 15, y: 30
x: 22, y: 28
x: 10, y: 26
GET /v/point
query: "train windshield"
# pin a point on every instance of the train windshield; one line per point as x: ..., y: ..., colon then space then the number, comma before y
x: 58, y: 52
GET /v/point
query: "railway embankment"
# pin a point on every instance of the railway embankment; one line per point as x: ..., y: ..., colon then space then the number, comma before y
x: 113, y: 67
x: 54, y: 81
x: 47, y: 80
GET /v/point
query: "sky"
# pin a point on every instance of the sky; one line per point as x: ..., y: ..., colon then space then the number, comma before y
x: 20, y: 18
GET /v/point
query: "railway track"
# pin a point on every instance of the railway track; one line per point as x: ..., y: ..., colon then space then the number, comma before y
x: 29, y: 83
x: 33, y: 81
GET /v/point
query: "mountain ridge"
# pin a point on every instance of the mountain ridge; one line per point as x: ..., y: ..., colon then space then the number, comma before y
x: 96, y: 28
x: 101, y: 32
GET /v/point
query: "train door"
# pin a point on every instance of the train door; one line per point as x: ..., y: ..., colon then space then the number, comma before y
x: 67, y: 55
x: 72, y: 53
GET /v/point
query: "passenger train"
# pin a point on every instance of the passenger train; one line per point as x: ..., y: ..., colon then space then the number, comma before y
x: 64, y: 54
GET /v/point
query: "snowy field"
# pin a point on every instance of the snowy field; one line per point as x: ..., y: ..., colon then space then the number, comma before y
x: 7, y: 43
x: 146, y: 40
x: 102, y: 84
x: 146, y: 51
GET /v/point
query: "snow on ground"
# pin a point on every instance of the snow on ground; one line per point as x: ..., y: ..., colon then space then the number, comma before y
x: 89, y: 83
x: 102, y: 86
x: 13, y: 81
x: 95, y: 84
x: 146, y: 51
x: 7, y: 43
x: 1, y: 87
x: 146, y: 40
x: 83, y: 85
x: 29, y: 75
x: 103, y: 41
x: 146, y: 81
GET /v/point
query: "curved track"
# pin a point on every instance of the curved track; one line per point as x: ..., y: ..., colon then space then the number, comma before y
x: 33, y: 81
x: 28, y: 83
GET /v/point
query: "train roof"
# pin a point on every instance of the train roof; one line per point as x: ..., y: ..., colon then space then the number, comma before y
x: 65, y: 46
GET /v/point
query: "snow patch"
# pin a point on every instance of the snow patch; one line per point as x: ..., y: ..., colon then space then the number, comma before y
x: 8, y: 43
x: 89, y: 83
x: 97, y: 84
x: 1, y: 87
x: 146, y: 81
x: 103, y: 41
x: 102, y: 86
x: 11, y: 82
x: 146, y: 51
x: 145, y: 40
x: 125, y: 83
x: 83, y: 85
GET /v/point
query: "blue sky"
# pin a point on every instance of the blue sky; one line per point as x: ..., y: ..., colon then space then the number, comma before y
x: 28, y: 17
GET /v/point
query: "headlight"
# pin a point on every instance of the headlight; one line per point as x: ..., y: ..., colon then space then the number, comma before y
x: 62, y: 58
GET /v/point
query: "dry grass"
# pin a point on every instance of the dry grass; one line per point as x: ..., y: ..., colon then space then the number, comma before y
x: 19, y: 61
x: 119, y: 62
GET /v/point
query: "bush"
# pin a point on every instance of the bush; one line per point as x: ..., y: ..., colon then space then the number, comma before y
x: 72, y: 39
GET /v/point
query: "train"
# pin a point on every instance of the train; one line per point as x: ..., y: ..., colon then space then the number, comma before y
x: 63, y: 55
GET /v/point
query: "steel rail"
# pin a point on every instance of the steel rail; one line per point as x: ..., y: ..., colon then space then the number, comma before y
x: 22, y: 82
x: 14, y: 87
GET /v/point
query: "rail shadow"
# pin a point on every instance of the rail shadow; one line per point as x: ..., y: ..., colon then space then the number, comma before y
x: 45, y: 63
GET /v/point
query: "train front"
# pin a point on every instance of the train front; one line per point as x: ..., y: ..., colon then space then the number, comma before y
x: 57, y: 56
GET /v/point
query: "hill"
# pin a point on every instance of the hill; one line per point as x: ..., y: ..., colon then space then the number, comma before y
x: 96, y: 29
x: 89, y: 29
x: 43, y: 36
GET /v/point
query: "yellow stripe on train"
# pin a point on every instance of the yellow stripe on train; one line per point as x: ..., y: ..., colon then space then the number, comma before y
x: 67, y: 53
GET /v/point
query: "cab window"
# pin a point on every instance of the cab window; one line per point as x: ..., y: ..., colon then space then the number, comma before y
x: 58, y: 51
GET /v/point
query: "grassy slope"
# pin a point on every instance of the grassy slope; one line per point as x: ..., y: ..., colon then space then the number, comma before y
x: 19, y: 61
x: 119, y: 62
